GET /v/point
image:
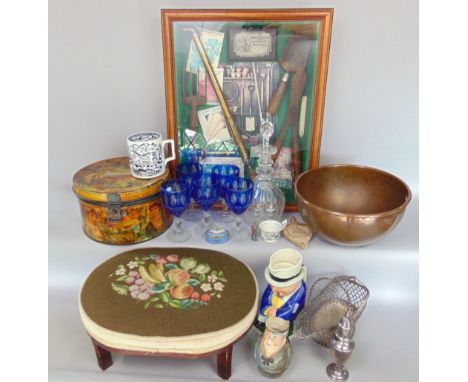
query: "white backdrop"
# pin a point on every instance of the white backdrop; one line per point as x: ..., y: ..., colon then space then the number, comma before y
x: 106, y: 78
x: 106, y: 81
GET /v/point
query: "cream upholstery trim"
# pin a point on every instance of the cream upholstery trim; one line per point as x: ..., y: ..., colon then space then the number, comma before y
x: 193, y: 344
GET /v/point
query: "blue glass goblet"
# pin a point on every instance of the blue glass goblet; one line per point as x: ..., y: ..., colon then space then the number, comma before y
x: 205, y: 191
x: 224, y: 173
x: 238, y: 194
x: 189, y: 171
x: 176, y: 199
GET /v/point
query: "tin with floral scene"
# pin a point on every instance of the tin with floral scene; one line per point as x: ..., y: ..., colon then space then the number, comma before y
x: 117, y: 208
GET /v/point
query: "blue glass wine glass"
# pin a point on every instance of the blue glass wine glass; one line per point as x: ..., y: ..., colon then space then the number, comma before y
x: 176, y: 199
x: 189, y: 171
x: 238, y: 194
x: 205, y: 191
x: 224, y: 173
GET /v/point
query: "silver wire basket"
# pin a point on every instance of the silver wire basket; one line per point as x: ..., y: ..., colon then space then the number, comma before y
x: 328, y: 304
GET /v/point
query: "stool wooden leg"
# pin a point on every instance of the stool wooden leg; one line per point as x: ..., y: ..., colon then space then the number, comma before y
x: 104, y: 357
x: 224, y: 359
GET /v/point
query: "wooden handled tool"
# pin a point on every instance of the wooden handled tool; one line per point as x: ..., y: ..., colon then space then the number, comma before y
x: 282, y: 135
x: 278, y: 94
x: 194, y: 100
x: 294, y: 58
x: 297, y: 88
x: 295, y: 147
x: 194, y: 122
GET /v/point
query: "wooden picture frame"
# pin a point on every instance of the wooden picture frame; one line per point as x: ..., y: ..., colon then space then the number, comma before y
x: 194, y: 106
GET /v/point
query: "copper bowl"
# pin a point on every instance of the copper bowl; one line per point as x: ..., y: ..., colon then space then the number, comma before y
x: 351, y: 205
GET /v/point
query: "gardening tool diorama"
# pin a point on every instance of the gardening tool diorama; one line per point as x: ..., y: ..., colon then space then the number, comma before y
x: 245, y: 96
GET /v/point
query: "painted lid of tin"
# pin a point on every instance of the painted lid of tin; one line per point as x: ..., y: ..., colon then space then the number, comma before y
x: 113, y: 177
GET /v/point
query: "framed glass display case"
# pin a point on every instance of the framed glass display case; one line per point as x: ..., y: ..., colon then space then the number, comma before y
x: 227, y: 71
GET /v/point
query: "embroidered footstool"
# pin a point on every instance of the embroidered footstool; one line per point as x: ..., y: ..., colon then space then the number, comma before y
x: 169, y: 302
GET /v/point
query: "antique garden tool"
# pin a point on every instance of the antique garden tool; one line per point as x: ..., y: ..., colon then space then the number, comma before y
x: 230, y: 123
x: 262, y: 87
x: 294, y: 58
x: 297, y: 88
x: 242, y: 86
x: 268, y: 84
x: 308, y: 30
x: 250, y: 120
x: 195, y: 100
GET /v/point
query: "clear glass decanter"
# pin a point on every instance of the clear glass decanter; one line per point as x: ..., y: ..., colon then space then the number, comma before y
x: 268, y: 200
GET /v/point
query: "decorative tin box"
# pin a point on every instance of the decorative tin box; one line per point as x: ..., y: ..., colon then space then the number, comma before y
x: 117, y: 208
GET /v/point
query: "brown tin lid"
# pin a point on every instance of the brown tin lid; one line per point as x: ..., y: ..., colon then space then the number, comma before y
x: 97, y: 181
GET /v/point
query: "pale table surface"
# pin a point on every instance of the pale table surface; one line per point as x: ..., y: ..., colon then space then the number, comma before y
x: 386, y: 334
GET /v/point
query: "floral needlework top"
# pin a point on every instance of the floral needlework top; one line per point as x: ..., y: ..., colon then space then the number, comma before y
x: 168, y: 281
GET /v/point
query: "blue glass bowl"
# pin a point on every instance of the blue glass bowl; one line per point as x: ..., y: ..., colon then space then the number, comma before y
x: 238, y: 194
x: 175, y: 196
x: 205, y: 191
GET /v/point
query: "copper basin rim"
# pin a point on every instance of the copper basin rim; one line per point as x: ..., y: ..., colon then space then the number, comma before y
x: 351, y: 205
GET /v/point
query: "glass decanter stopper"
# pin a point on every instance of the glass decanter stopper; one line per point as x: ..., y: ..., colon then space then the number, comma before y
x: 273, y: 351
x: 268, y: 200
